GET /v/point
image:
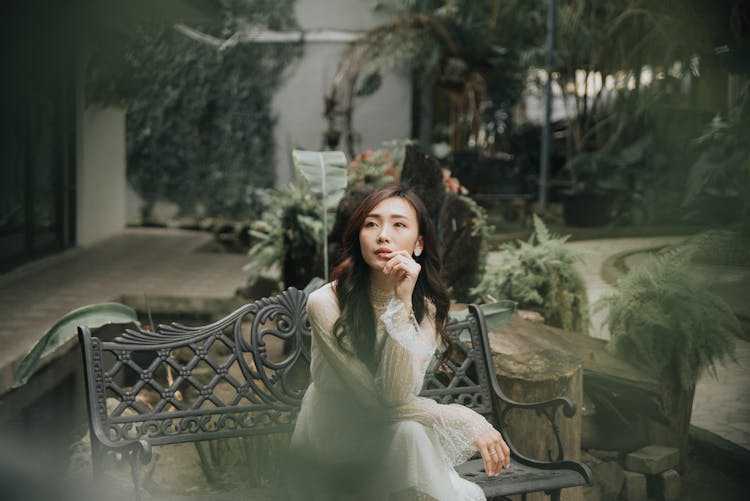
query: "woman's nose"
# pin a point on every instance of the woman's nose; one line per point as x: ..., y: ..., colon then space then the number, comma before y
x: 384, y: 234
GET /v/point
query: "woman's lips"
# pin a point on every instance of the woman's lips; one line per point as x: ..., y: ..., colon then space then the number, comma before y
x: 382, y: 252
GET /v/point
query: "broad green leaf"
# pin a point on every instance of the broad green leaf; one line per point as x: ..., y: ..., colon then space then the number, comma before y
x: 495, y: 314
x: 325, y: 171
x: 93, y: 315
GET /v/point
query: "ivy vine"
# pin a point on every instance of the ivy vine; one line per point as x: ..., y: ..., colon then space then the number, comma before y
x: 199, y: 120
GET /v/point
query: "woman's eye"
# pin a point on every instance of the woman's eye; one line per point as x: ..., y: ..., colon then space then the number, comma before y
x: 369, y: 224
x: 400, y: 225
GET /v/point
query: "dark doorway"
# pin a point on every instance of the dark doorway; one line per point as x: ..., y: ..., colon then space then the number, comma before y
x: 37, y: 170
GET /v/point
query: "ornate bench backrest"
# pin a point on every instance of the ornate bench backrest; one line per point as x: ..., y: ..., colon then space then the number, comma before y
x: 463, y: 378
x: 243, y: 375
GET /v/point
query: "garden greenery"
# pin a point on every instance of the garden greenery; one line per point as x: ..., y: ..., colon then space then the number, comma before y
x: 540, y: 275
x: 290, y: 233
x: 717, y: 189
x: 663, y: 318
x: 199, y: 119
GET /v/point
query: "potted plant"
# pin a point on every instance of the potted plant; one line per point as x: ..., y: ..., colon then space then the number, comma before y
x: 664, y: 319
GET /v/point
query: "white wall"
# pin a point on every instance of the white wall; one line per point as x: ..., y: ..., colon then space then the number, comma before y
x: 101, y: 187
x: 298, y: 103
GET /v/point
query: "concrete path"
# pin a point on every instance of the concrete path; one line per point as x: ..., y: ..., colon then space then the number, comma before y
x: 155, y: 262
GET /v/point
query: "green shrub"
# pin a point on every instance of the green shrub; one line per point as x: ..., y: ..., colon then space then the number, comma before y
x: 540, y: 275
x: 664, y: 319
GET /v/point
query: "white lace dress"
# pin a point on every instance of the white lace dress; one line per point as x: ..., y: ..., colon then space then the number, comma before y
x: 343, y: 404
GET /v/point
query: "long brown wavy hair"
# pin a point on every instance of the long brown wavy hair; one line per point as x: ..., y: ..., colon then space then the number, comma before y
x: 352, y: 276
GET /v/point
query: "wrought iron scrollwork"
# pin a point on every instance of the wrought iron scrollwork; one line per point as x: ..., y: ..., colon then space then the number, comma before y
x: 284, y: 317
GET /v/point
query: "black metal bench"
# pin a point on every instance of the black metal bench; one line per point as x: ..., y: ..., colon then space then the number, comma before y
x: 245, y: 375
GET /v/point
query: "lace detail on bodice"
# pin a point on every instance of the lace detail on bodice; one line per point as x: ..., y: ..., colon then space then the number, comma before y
x: 380, y: 299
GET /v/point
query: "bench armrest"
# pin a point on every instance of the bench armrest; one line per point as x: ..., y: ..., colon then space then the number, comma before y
x: 569, y: 407
x: 547, y: 408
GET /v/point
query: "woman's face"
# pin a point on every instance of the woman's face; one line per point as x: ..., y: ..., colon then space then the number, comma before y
x: 390, y: 226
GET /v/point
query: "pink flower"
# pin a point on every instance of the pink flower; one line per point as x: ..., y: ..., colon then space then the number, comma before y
x: 452, y: 184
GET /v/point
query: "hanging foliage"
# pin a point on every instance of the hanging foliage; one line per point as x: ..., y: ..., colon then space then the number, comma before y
x: 199, y: 123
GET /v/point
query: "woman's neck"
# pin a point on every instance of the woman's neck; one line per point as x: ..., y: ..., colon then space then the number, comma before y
x: 378, y: 280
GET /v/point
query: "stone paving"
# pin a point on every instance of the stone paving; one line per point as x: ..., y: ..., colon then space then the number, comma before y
x: 155, y: 262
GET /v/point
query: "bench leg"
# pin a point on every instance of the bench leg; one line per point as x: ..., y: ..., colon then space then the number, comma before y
x: 135, y: 473
x: 554, y: 495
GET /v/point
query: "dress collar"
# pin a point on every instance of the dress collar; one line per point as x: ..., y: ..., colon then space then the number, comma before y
x: 380, y: 297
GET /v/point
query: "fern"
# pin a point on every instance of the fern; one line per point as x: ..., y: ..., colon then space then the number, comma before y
x: 664, y: 319
x: 289, y: 227
x: 540, y: 275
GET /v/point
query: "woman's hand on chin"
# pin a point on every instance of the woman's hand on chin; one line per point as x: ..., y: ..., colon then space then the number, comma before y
x: 403, y: 271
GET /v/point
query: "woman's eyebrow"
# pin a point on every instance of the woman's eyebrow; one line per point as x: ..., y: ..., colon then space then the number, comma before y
x: 392, y: 216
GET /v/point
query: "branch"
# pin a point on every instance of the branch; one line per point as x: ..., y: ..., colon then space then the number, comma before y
x: 258, y: 35
x: 197, y: 35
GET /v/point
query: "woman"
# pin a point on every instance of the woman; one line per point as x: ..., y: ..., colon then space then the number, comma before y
x: 375, y: 329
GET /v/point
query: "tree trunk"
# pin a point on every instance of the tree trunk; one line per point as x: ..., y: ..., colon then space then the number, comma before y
x: 535, y: 377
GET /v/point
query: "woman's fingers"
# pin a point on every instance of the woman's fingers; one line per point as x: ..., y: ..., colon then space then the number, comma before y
x: 489, y: 461
x: 404, y: 272
x: 400, y: 262
x: 506, y: 452
x: 494, y: 451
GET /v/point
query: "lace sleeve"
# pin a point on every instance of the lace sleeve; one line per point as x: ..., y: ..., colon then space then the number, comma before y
x: 456, y: 426
x: 406, y: 354
x: 322, y: 311
x: 407, y: 351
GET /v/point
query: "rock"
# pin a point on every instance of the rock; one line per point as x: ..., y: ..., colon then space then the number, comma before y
x: 609, y: 476
x: 665, y: 486
x: 605, y: 455
x: 593, y: 493
x: 532, y: 316
x: 652, y: 459
x: 634, y: 487
x: 589, y: 459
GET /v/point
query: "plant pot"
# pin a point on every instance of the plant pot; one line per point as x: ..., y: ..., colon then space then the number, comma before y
x: 587, y: 208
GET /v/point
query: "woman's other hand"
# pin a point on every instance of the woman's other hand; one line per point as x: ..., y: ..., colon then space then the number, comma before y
x: 403, y: 270
x: 494, y: 451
